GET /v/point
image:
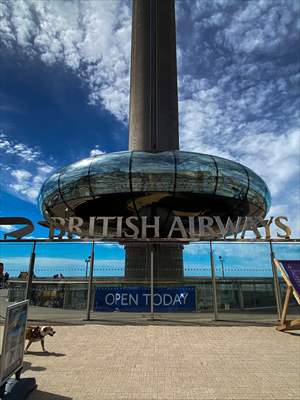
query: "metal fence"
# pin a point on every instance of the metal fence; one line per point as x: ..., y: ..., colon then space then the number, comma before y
x: 71, y: 280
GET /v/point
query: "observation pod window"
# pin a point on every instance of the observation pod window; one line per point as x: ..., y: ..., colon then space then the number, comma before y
x: 232, y: 179
x: 74, y: 180
x: 153, y: 172
x: 49, y: 195
x: 109, y: 173
x: 258, y: 194
x: 195, y: 173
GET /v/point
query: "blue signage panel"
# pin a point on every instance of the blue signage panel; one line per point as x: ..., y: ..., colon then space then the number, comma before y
x: 136, y: 299
x: 292, y: 268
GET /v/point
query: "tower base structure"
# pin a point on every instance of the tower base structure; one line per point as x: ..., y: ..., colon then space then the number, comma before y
x: 167, y: 261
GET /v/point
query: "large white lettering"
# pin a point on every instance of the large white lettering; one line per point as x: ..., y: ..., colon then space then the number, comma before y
x: 138, y: 299
x: 138, y: 228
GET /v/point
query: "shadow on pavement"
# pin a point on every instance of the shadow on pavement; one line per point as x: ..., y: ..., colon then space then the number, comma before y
x: 54, y: 322
x: 44, y: 353
x: 292, y: 333
x: 177, y: 322
x: 159, y: 320
x: 40, y: 395
x: 28, y: 366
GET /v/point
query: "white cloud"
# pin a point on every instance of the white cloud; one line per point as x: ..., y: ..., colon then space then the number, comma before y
x: 26, y: 185
x: 90, y: 37
x: 21, y: 150
x: 96, y: 151
x: 21, y: 175
x: 6, y: 228
x: 262, y: 26
x: 213, y: 123
x: 25, y: 172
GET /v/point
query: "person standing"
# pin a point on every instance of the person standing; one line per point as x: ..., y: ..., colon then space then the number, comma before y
x: 6, y: 278
x: 1, y: 275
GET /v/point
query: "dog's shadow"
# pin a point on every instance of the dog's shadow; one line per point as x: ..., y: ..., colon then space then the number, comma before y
x: 44, y: 353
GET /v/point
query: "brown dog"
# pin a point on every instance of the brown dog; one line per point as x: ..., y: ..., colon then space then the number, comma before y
x: 38, y: 333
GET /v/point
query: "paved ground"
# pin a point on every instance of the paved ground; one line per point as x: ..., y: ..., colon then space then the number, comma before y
x: 166, y: 362
x: 178, y: 356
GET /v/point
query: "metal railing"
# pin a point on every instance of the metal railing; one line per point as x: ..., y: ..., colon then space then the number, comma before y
x: 214, y: 278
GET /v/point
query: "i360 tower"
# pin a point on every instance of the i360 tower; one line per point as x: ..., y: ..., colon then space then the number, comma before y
x: 153, y: 118
x: 154, y: 178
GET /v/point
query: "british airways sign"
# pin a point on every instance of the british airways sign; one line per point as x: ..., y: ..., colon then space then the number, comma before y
x: 121, y: 228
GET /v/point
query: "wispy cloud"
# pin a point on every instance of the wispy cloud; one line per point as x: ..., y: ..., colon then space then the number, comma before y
x: 6, y: 228
x: 21, y: 150
x: 91, y: 38
x: 25, y: 171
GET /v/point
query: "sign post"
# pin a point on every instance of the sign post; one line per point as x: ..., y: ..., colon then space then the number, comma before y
x: 276, y: 283
x: 152, y: 283
x: 90, y: 284
x: 30, y: 273
x: 13, y: 349
x: 214, y: 284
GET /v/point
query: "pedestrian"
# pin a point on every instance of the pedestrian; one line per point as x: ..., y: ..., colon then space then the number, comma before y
x: 1, y: 275
x: 6, y: 278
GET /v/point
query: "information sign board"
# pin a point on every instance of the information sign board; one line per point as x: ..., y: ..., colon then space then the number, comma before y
x: 13, y: 340
x: 136, y: 299
x: 292, y: 269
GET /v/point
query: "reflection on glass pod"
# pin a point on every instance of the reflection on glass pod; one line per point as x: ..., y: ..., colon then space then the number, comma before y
x: 163, y: 183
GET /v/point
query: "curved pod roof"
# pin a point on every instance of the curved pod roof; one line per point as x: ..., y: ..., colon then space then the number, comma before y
x: 136, y: 183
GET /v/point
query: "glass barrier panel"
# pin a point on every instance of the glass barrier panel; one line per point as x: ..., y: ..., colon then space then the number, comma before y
x: 197, y: 271
x: 122, y: 279
x: 15, y: 258
x: 244, y: 277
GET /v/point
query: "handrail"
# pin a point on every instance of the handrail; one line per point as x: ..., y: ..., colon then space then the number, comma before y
x: 150, y: 240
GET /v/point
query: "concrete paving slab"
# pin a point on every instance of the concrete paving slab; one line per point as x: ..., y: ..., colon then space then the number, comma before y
x: 166, y: 362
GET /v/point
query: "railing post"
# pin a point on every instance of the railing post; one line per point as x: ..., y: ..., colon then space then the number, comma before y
x: 214, y: 284
x: 30, y: 274
x: 90, y: 284
x: 152, y: 285
x: 241, y: 296
x: 278, y: 297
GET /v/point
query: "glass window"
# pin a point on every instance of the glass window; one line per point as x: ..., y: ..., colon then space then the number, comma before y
x: 195, y: 173
x: 258, y: 193
x: 49, y: 194
x: 109, y: 173
x: 153, y: 172
x: 232, y: 179
x: 74, y: 180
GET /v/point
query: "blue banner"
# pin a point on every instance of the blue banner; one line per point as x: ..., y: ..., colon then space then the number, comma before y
x: 137, y: 299
x: 292, y: 268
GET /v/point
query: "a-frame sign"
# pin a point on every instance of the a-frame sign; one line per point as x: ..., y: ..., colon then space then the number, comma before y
x: 290, y: 271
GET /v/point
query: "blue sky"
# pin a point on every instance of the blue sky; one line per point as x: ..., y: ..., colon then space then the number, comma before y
x: 64, y: 90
